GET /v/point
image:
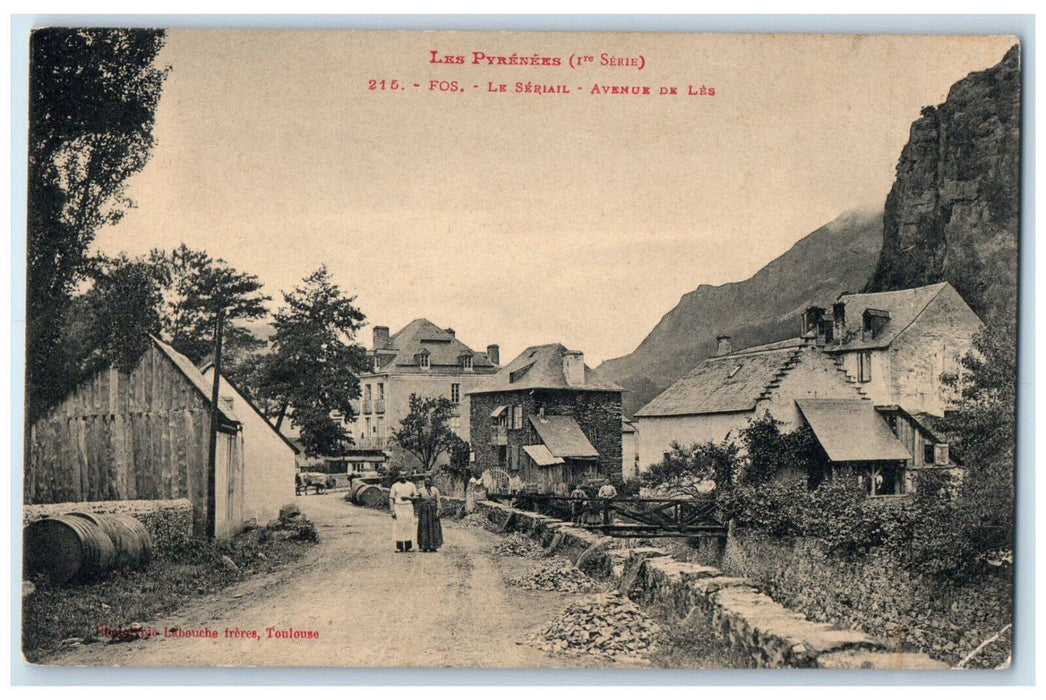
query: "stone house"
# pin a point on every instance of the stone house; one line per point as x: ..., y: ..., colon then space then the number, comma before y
x: 549, y: 419
x: 897, y: 344
x: 421, y: 359
x: 721, y: 396
x: 144, y: 435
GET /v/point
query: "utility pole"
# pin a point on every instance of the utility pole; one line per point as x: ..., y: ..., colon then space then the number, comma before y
x: 212, y: 455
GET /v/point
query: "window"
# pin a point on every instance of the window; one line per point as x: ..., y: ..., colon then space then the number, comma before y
x: 466, y: 362
x: 381, y: 391
x: 455, y: 393
x: 864, y: 366
x: 928, y: 453
x: 423, y: 360
x: 366, y: 392
x: 517, y: 417
x: 368, y: 426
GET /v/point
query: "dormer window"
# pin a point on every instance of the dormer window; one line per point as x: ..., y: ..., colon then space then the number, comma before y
x: 423, y: 360
x: 466, y: 362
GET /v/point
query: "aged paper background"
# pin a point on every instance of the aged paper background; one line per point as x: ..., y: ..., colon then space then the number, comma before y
x: 522, y: 204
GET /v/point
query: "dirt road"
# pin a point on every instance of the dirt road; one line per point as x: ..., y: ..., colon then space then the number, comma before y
x: 366, y: 604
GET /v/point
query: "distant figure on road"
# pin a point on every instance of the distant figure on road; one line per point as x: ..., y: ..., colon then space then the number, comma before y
x: 607, y: 493
x: 472, y: 493
x: 430, y: 530
x: 577, y: 506
x: 401, y: 503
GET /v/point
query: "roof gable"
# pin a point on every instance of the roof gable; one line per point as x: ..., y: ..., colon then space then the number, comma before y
x: 903, y: 306
x: 541, y: 367
x: 194, y: 375
x: 296, y: 447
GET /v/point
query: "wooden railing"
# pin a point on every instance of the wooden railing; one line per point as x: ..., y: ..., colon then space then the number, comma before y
x: 628, y: 517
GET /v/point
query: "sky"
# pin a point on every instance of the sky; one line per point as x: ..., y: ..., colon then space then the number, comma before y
x: 524, y: 218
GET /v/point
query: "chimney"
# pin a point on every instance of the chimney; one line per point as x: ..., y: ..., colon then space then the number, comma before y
x: 494, y: 354
x: 812, y: 319
x: 574, y: 367
x: 450, y: 332
x: 839, y: 320
x: 381, y: 337
x: 722, y: 346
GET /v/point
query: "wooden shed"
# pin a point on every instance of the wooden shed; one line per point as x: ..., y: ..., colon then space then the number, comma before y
x: 139, y: 435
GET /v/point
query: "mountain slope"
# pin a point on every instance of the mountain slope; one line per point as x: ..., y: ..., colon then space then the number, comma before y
x: 952, y: 214
x: 837, y: 257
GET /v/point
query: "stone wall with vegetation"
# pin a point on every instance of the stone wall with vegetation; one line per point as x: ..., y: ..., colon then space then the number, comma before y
x: 169, y: 522
x: 735, y: 607
x: 880, y: 595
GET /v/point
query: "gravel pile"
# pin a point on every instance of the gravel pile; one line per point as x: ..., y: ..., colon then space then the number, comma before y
x: 475, y: 520
x: 520, y: 546
x: 605, y: 624
x: 555, y: 575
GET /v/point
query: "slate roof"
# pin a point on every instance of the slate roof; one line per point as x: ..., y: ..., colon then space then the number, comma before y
x: 195, y: 378
x: 851, y: 430
x: 563, y: 437
x: 443, y: 348
x: 727, y: 383
x: 904, y: 306
x: 541, y: 367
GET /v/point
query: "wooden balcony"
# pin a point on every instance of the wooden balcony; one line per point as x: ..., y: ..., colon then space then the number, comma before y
x: 368, y: 406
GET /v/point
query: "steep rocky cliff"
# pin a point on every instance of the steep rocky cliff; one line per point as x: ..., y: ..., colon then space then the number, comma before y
x: 837, y: 257
x: 953, y: 211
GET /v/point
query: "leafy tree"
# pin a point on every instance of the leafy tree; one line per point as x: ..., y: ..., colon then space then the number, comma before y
x: 110, y: 323
x: 313, y: 369
x: 687, y: 470
x: 425, y: 431
x: 769, y: 452
x: 459, y: 468
x: 92, y: 99
x: 982, y: 431
x: 197, y: 285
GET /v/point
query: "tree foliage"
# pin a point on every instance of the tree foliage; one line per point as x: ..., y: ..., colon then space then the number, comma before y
x: 92, y: 99
x: 690, y: 470
x: 315, y: 363
x: 425, y: 431
x: 111, y: 322
x: 196, y: 286
x: 769, y: 452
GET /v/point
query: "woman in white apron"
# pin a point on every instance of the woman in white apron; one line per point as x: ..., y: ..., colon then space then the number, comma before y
x: 401, y: 503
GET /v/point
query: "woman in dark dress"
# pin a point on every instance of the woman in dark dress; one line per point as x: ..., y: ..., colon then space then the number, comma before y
x: 430, y: 531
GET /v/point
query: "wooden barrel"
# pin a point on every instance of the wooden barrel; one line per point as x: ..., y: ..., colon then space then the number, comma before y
x: 133, y: 545
x: 373, y: 496
x: 66, y: 548
x: 357, y: 486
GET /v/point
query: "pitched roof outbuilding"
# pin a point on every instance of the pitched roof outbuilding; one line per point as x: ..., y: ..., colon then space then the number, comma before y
x: 851, y: 430
x: 563, y: 437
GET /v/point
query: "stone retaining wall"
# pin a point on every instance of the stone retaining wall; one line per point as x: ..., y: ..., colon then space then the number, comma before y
x: 701, y: 595
x: 169, y: 522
